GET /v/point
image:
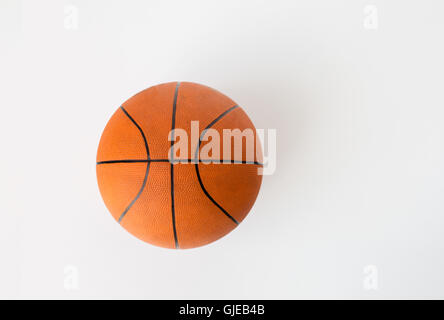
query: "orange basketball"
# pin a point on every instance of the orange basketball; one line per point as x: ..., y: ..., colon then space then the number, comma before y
x: 164, y: 189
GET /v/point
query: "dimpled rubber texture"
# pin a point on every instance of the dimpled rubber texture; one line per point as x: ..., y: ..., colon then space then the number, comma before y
x: 178, y: 204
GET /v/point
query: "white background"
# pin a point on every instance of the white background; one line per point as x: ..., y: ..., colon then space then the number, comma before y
x: 360, y: 163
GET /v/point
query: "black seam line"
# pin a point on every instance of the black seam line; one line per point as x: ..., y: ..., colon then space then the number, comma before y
x: 229, y: 161
x: 204, y: 131
x: 173, y: 126
x: 141, y: 132
x: 125, y: 161
x: 147, y: 167
x: 221, y: 161
x: 197, y: 164
x: 211, y: 198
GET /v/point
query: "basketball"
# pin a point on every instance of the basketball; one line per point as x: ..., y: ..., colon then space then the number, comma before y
x: 169, y: 172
